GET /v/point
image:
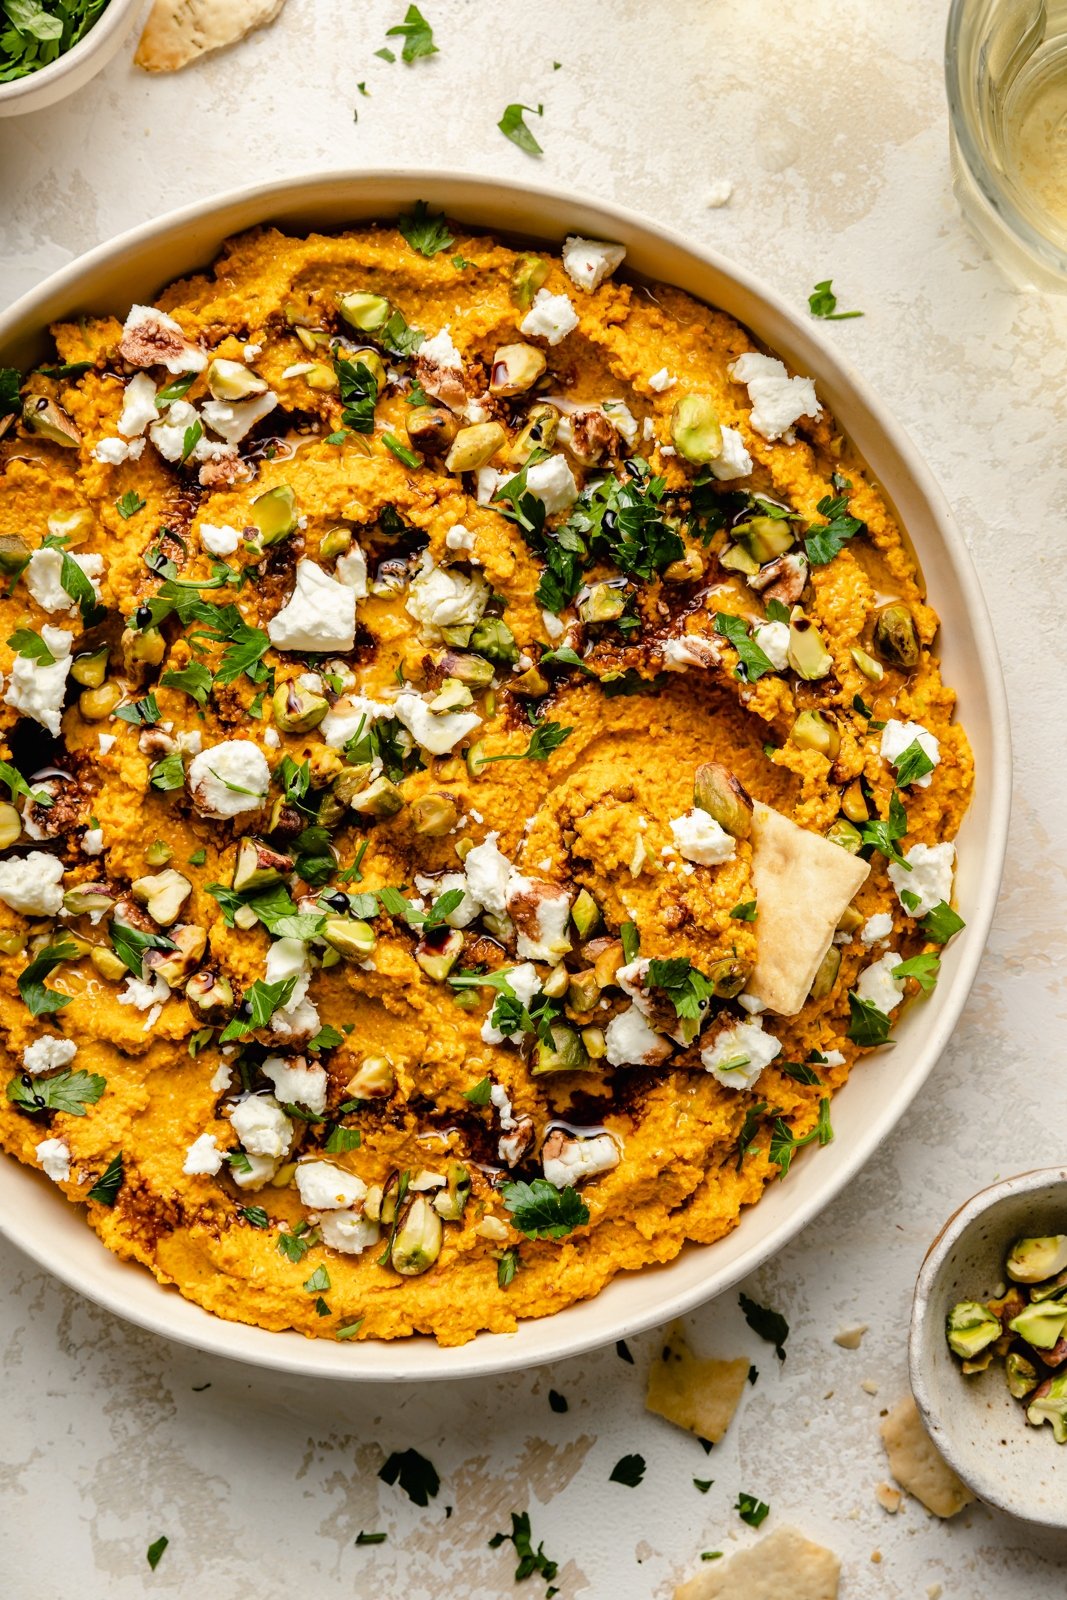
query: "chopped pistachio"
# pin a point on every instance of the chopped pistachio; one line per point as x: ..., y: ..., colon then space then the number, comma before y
x: 527, y: 276
x: 595, y: 1041
x: 177, y: 966
x: 823, y: 982
x: 231, y: 380
x: 258, y: 866
x: 854, y: 803
x: 451, y: 1202
x: 438, y: 952
x: 163, y: 894
x: 846, y: 834
x: 585, y: 914
x: 474, y: 446
x: 367, y: 313
x: 1041, y: 1324
x: 537, y: 433
x: 1034, y: 1260
x: 970, y: 1328
x: 813, y: 730
x: 434, y: 815
x: 96, y: 704
x: 14, y: 554
x: 531, y: 684
x: 722, y: 796
x: 417, y: 1243
x: 10, y: 825
x: 728, y: 978
x: 764, y: 537
x: 695, y: 430
x: 514, y: 369
x: 870, y: 668
x: 90, y: 669
x: 431, y: 429
x: 49, y: 421
x: 491, y: 637
x: 1049, y: 1404
x: 1020, y: 1375
x: 158, y: 853
x: 88, y: 897
x: 381, y: 798
x: 372, y: 1080
x: 211, y: 996
x: 807, y: 653
x: 602, y: 602
x: 298, y: 710
x: 565, y: 1053
x: 274, y: 514
x: 108, y: 964
x: 350, y: 937
x: 335, y: 542
x: 895, y: 636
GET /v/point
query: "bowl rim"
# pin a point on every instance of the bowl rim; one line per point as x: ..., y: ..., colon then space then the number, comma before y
x: 469, y: 196
x: 923, y: 1312
x: 116, y: 15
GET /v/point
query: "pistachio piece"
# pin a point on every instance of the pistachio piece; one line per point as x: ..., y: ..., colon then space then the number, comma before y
x: 1034, y: 1260
x: 474, y: 670
x: 728, y: 978
x: 515, y: 368
x: 602, y: 602
x: 527, y: 276
x: 231, y: 380
x: 451, y: 1202
x: 372, y: 1080
x: 431, y: 429
x: 417, y: 1242
x: 870, y: 668
x: 382, y: 798
x: 695, y: 431
x: 14, y: 554
x: 438, y: 951
x: 970, y: 1327
x: 595, y: 1041
x: 475, y: 758
x: 607, y: 961
x: 845, y: 834
x: 274, y: 514
x: 735, y: 558
x: 49, y: 421
x: 10, y: 826
x: 87, y: 898
x: 1041, y: 1324
x: 367, y: 313
x: 565, y: 1052
x: 108, y: 964
x: 258, y: 866
x: 321, y: 378
x: 764, y: 538
x: 298, y: 710
x: 723, y: 797
x: 177, y: 966
x: 491, y: 637
x: 434, y: 815
x: 96, y: 704
x: 854, y: 803
x: 826, y: 976
x: 211, y: 996
x: 807, y: 653
x: 1020, y: 1375
x: 350, y: 937
x: 538, y: 433
x: 162, y: 894
x: 335, y: 542
x: 585, y: 914
x: 813, y: 730
x: 896, y: 637
x: 689, y: 569
x: 158, y: 853
x: 369, y: 358
x: 452, y: 696
x: 1049, y: 1404
x: 583, y: 991
x: 474, y: 446
x: 75, y: 527
x: 531, y: 684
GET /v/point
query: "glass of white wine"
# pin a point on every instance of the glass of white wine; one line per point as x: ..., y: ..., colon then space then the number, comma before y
x: 1006, y: 73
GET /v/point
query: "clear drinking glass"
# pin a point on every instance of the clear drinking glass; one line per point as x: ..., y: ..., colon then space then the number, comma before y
x: 1006, y: 73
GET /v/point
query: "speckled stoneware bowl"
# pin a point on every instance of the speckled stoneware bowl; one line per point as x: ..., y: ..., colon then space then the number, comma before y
x: 979, y: 1429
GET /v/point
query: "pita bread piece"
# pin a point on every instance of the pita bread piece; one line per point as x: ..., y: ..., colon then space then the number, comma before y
x: 692, y: 1392
x: 803, y: 884
x: 177, y: 31
x: 783, y: 1566
x: 916, y: 1465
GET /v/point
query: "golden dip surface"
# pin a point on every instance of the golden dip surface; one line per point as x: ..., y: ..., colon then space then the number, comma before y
x: 478, y: 777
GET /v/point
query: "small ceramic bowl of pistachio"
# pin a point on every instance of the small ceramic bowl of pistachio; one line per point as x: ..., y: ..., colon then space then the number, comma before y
x: 988, y: 1345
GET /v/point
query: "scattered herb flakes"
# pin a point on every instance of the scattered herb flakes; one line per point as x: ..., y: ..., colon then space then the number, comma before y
x: 631, y: 940
x: 752, y: 662
x: 751, y: 1510
x: 255, y: 1216
x: 867, y: 1025
x: 425, y: 231
x: 628, y: 1470
x: 768, y: 1324
x: 40, y: 1000
x: 912, y: 764
x: 622, y: 1350
x: 417, y: 35
x: 513, y: 126
x: 106, y: 1188
x: 531, y: 1562
x: 385, y: 54
x: 506, y: 1268
x: 557, y: 1401
x: 128, y: 504
x: 825, y: 540
x: 941, y: 923
x: 401, y: 451
x: 319, y: 1280
x: 541, y: 1211
x: 923, y: 968
x: 415, y: 1474
x: 342, y: 1139
x: 371, y: 1538
x: 479, y: 1094
x: 711, y: 1555
x: 746, y: 911
x: 31, y: 646
x: 348, y: 1330
x: 155, y: 1550
x: 703, y: 1484
x: 546, y: 737
x: 16, y: 785
x: 294, y: 1243
x: 822, y: 303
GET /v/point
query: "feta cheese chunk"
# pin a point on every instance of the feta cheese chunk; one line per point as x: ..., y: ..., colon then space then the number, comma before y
x: 566, y: 1162
x: 551, y: 317
x: 540, y: 912
x: 552, y: 482
x: 661, y: 381
x: 43, y: 578
x: 32, y: 884
x: 876, y: 928
x: 324, y: 1187
x: 464, y: 914
x: 460, y: 538
x: 898, y: 736
x: 444, y: 597
x: 632, y: 1043
x: 262, y: 1126
x: 435, y: 732
x: 930, y: 876
x: 47, y: 1053
x: 170, y: 432
x: 773, y: 640
x: 777, y: 399
x: 587, y: 262
x: 297, y: 1084
x: 203, y: 1157
x: 351, y: 570
x: 229, y: 778
x: 737, y: 1055
x: 486, y: 870
x: 53, y: 1155
x: 139, y: 407
x: 733, y: 460
x: 878, y: 986
x: 700, y: 838
x: 233, y: 419
x: 219, y: 541
x: 144, y: 993
x: 524, y: 984
x: 319, y: 615
x: 348, y: 1232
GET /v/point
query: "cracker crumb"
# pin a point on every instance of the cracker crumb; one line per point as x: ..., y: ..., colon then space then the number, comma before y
x: 851, y: 1338
x: 888, y: 1498
x: 719, y: 194
x: 869, y: 1386
x: 876, y: 1557
x: 934, y: 1592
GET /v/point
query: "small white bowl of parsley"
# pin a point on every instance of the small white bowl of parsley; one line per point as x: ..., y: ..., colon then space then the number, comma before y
x: 49, y: 48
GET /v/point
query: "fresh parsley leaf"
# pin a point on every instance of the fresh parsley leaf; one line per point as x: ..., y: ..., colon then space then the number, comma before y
x: 749, y: 1129
x: 41, y: 1001
x: 628, y: 1470
x: 168, y: 773
x: 127, y: 505
x: 541, y: 1211
x: 546, y: 737
x: 506, y: 1268
x: 70, y: 1092
x: 799, y: 1071
x: 401, y: 451
x: 348, y: 1330
x: 686, y: 988
x: 261, y: 1001
x: 923, y: 968
x: 107, y: 1186
x: 155, y: 1550
x: 784, y: 1142
x: 822, y: 303
x: 294, y: 1243
x: 130, y: 944
x: 777, y: 612
x: 359, y: 394
x: 255, y: 1216
x: 342, y: 1139
x: 884, y: 833
x: 416, y: 33
x: 10, y: 398
x: 31, y: 646
x: 415, y: 1474
x: 190, y: 439
x: 765, y: 1322
x: 531, y: 1562
x: 826, y: 540
x: 752, y: 662
x: 631, y: 940
x: 327, y: 1038
x: 745, y: 911
x: 867, y: 1025
x: 941, y: 923
x: 425, y: 231
x: 141, y: 713
x: 318, y: 1282
x: 911, y: 764
x: 513, y: 126
x: 703, y: 1484
x: 17, y: 785
x: 751, y: 1510
x: 194, y: 680
x: 385, y: 54
x: 176, y: 389
x: 479, y: 1094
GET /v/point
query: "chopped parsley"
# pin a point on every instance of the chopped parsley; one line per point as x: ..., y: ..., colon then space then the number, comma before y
x: 745, y: 911
x: 425, y: 231
x: 911, y: 764
x: 752, y: 662
x: 631, y: 940
x: 142, y: 713
x: 686, y: 988
x: 822, y: 303
x: 107, y: 1186
x: 30, y: 645
x: 531, y: 1562
x: 415, y: 1474
x: 506, y: 1268
x: 40, y: 1000
x: 370, y: 1538
x: 767, y: 1323
x: 295, y: 1243
x: 261, y: 1001
x: 155, y: 1551
x: 923, y: 968
x: 318, y: 1282
x: 784, y: 1142
x: 867, y: 1025
x: 194, y: 680
x: 64, y: 1091
x: 359, y: 394
x: 130, y: 944
x: 751, y: 1510
x: 128, y: 504
x: 884, y: 833
x: 541, y: 1211
x: 513, y: 126
x: 941, y: 923
x: 479, y: 1094
x: 255, y: 1216
x: 628, y: 1470
x: 546, y: 737
x: 401, y: 451
x: 16, y: 785
x: 417, y: 35
x: 826, y: 540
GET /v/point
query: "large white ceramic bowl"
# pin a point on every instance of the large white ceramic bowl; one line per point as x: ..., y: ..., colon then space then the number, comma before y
x: 72, y: 70
x: 131, y: 269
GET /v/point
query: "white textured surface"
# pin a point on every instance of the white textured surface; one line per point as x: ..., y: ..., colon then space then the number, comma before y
x: 830, y: 123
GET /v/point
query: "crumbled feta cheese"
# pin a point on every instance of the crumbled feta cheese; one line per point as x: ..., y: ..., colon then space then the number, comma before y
x: 43, y: 577
x: 690, y: 650
x: 876, y: 928
x: 349, y: 717
x: 351, y: 570
x: 580, y: 1159
x: 552, y: 482
x: 587, y: 262
x: 324, y: 1187
x: 486, y: 870
x: 878, y: 986
x: 145, y: 326
x: 348, y: 1232
x: 105, y: 742
x: 320, y: 614
x: 232, y: 420
x: 288, y: 958
x: 92, y: 842
x: 463, y: 914
x: 554, y: 626
x: 700, y: 838
x: 436, y: 732
x: 144, y: 993
x: 255, y: 1171
x: 228, y: 778
x: 251, y: 351
x: 113, y: 452
x: 896, y: 738
x: 262, y: 1126
x: 443, y: 597
x: 621, y: 418
x: 221, y: 1078
x: 773, y: 640
x: 297, y: 1084
x: 632, y: 1043
x: 460, y: 538
x: 719, y: 194
x: 272, y: 738
x: 32, y: 884
x: 733, y: 460
x: 833, y: 1058
x: 777, y: 399
x: 737, y: 1055
x: 441, y: 350
x: 551, y: 317
x: 53, y: 1155
x: 930, y: 877
x: 540, y: 912
x: 661, y: 381
x: 169, y: 433
x: 139, y: 407
x: 47, y: 1053
x: 219, y: 541
x: 203, y: 1157
x: 752, y: 1004
x: 487, y: 481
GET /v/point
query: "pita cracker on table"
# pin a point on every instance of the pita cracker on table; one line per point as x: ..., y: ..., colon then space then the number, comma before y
x: 916, y: 1465
x: 694, y: 1393
x: 177, y: 31
x: 783, y: 1566
x: 803, y: 884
